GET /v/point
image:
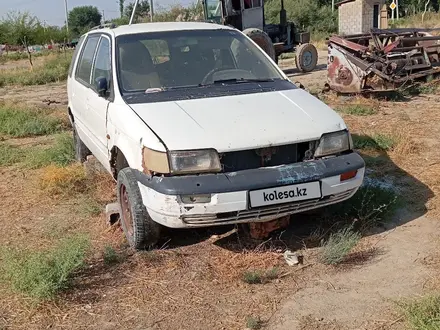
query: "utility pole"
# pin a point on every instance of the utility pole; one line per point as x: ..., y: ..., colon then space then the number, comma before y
x: 103, y: 16
x: 397, y: 9
x: 151, y: 10
x: 333, y: 5
x: 67, y: 17
x: 134, y: 11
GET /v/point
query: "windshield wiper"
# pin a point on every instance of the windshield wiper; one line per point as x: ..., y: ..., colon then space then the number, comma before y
x: 240, y: 80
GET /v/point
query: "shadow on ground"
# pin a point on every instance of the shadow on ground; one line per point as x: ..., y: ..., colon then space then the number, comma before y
x: 390, y: 197
x: 292, y: 71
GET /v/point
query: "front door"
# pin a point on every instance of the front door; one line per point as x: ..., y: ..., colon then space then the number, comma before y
x: 97, y: 105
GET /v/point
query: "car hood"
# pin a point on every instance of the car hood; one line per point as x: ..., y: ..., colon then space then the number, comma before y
x: 239, y: 122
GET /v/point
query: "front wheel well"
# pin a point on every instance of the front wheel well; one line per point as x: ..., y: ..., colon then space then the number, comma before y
x: 117, y: 161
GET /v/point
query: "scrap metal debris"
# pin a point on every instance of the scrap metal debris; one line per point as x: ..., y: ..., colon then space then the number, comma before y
x: 382, y: 60
x: 291, y: 258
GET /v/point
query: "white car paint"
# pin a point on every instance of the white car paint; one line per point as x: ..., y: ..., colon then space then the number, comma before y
x: 271, y: 118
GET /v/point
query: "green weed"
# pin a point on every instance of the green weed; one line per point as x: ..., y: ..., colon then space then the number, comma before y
x: 253, y: 323
x: 358, y: 110
x: 260, y: 277
x: 9, y: 155
x: 62, y: 153
x: 423, y: 314
x: 25, y: 122
x: 377, y: 142
x: 338, y: 246
x: 110, y: 256
x: 370, y: 206
x: 42, y: 274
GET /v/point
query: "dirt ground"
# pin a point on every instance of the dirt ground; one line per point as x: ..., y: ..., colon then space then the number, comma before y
x: 195, y: 280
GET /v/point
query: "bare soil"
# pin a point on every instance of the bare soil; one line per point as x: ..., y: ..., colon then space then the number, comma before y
x: 195, y: 281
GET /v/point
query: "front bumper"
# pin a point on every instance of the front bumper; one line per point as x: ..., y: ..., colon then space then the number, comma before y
x: 230, y: 192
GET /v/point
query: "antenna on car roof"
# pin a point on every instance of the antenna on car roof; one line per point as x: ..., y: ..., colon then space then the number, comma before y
x: 134, y: 10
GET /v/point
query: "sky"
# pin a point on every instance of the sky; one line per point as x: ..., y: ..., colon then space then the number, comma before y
x: 53, y: 12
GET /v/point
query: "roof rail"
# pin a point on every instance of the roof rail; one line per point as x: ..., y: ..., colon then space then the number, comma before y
x: 103, y: 26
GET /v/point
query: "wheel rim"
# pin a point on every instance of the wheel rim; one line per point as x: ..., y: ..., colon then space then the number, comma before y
x: 307, y: 59
x: 126, y: 216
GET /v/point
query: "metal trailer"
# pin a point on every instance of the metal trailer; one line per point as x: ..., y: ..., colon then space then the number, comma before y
x: 382, y: 60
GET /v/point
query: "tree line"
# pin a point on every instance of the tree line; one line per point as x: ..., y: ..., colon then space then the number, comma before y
x: 313, y: 15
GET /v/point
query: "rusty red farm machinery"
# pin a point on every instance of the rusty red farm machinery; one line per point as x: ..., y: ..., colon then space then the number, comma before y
x: 382, y: 60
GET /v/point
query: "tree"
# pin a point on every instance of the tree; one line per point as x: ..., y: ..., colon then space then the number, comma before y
x: 121, y: 7
x: 82, y: 19
x: 142, y: 10
x: 21, y: 26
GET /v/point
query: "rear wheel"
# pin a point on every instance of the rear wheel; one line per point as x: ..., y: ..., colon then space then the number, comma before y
x: 140, y: 230
x: 306, y: 57
x: 261, y: 39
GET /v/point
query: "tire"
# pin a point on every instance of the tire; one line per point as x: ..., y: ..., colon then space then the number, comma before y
x: 139, y: 229
x: 306, y: 57
x: 262, y: 39
x: 81, y: 150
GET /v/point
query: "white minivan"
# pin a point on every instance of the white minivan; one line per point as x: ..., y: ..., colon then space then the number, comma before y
x: 200, y: 127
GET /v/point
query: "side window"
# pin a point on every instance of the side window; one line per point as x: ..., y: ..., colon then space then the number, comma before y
x: 102, y: 66
x: 84, y: 67
x: 75, y: 55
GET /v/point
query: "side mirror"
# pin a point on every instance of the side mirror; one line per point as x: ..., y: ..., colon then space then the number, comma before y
x: 101, y: 85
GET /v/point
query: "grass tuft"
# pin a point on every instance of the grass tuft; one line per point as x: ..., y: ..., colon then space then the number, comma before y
x: 260, y: 277
x: 9, y: 155
x: 62, y: 153
x: 64, y: 180
x: 43, y: 274
x: 253, y: 277
x: 423, y: 314
x: 338, y: 246
x: 358, y: 110
x: 253, y: 323
x: 380, y: 142
x: 110, y: 256
x: 25, y: 122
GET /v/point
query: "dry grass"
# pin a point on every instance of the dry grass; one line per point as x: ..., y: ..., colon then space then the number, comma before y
x: 432, y: 20
x: 64, y: 180
x: 54, y: 69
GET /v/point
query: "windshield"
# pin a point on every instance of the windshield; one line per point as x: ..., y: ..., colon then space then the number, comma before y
x: 176, y: 59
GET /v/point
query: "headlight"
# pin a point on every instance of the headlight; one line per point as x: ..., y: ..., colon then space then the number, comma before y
x: 194, y: 161
x: 333, y: 143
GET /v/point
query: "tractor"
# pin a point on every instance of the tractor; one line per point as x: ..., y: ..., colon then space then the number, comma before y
x: 275, y: 39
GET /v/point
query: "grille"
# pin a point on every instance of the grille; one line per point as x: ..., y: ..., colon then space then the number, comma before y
x: 272, y: 156
x: 263, y: 213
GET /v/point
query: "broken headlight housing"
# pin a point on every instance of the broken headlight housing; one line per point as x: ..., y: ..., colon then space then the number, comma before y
x: 194, y: 161
x: 333, y: 143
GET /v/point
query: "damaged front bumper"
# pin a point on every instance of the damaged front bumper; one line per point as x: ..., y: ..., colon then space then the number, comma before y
x: 228, y: 194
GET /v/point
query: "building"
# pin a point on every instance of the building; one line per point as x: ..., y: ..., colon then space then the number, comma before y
x: 360, y: 16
